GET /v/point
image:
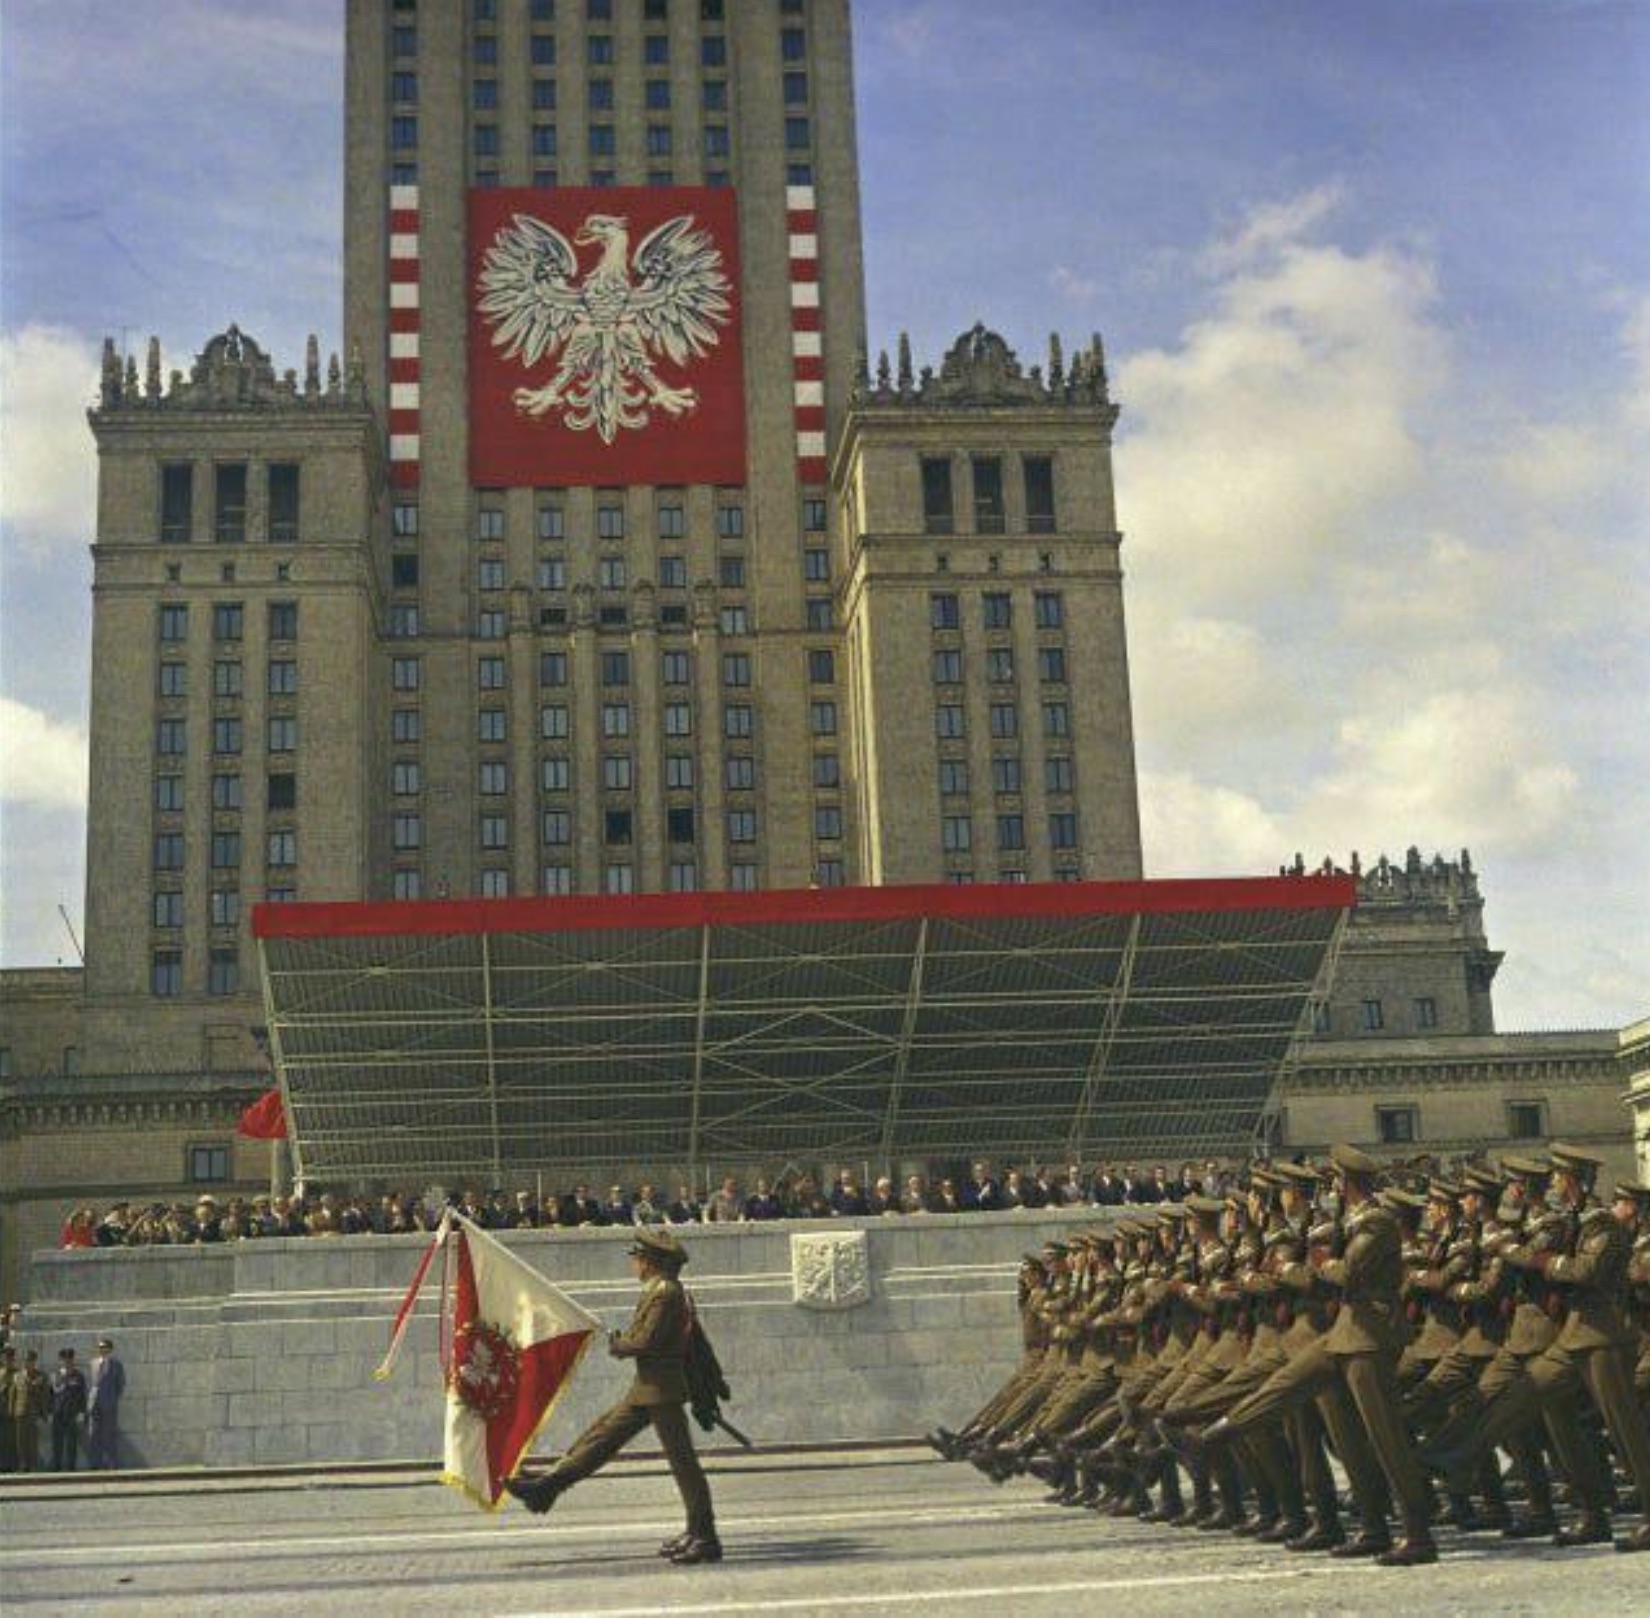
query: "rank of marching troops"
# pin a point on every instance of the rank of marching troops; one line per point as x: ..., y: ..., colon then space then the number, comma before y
x: 1201, y: 1368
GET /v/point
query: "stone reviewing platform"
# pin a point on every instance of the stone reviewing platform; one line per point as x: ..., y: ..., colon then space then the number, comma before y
x: 262, y: 1352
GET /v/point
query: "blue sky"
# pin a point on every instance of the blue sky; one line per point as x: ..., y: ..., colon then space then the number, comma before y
x: 1375, y: 286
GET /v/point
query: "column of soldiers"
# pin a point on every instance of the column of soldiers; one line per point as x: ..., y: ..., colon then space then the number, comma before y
x: 1201, y: 1368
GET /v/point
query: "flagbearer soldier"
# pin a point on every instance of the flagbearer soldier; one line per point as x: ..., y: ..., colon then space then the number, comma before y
x: 657, y: 1340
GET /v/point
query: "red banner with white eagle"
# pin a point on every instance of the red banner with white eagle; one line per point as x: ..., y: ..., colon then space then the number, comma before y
x: 604, y: 343
x: 510, y: 1342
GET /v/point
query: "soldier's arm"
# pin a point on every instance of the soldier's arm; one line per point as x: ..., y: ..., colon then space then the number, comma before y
x: 1594, y: 1264
x: 648, y: 1332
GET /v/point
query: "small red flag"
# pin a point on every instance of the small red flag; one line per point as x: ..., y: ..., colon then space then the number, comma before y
x: 265, y: 1119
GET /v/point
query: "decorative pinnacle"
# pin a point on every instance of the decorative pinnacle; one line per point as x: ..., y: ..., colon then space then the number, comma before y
x: 1056, y: 361
x: 884, y: 374
x: 905, y: 378
x: 151, y: 381
x: 312, y: 366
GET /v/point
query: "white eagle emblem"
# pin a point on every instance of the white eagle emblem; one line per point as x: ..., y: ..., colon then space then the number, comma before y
x: 667, y: 300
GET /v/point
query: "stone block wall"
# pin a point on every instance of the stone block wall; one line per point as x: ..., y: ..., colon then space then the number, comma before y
x: 262, y: 1353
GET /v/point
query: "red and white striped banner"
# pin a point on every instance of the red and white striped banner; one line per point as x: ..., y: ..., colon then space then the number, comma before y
x: 404, y: 335
x: 807, y: 334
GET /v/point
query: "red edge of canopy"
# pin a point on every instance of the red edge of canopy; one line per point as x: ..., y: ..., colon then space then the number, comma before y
x: 803, y: 907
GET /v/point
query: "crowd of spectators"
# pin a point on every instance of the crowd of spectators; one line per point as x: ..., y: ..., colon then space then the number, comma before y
x: 793, y: 1195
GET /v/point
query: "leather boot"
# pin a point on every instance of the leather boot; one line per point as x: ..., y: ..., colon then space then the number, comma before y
x: 698, y: 1550
x: 1415, y: 1549
x: 1324, y: 1535
x: 1638, y: 1540
x: 1367, y: 1542
x: 537, y: 1494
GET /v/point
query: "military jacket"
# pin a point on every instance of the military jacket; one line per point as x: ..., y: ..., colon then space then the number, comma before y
x: 1594, y: 1279
x: 1370, y: 1275
x: 657, y: 1339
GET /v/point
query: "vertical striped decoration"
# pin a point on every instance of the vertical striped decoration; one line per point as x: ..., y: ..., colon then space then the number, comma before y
x: 403, y: 325
x: 807, y: 334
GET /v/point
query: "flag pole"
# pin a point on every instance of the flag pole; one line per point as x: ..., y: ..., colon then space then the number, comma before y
x: 403, y: 1315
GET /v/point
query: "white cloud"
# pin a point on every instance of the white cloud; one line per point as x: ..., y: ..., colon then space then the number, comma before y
x: 42, y: 761
x: 1195, y: 828
x: 1071, y: 285
x: 1276, y: 224
x: 48, y: 495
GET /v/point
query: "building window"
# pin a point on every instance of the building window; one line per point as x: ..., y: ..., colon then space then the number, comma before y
x: 228, y: 619
x: 679, y: 825
x: 552, y: 574
x: 283, y: 621
x: 730, y: 572
x: 616, y: 828
x: 495, y: 884
x: 678, y: 719
x: 730, y: 521
x: 997, y: 608
x: 793, y: 44
x: 674, y: 668
x: 1062, y: 830
x: 495, y: 831
x: 1374, y: 1019
x: 656, y: 95
x: 617, y: 774
x: 490, y: 673
x: 1048, y: 609
x: 679, y: 772
x: 1039, y: 491
x: 283, y: 503
x: 407, y: 831
x: 554, y: 775
x: 544, y: 95
x: 615, y: 719
x: 1527, y: 1120
x: 490, y: 573
x: 610, y: 573
x: 1322, y: 1022
x: 403, y: 623
x: 716, y: 138
x: 226, y: 736
x: 174, y: 679
x: 827, y: 822
x: 816, y: 565
x: 177, y: 504
x: 1005, y: 720
x: 553, y: 725
x: 404, y: 673
x: 283, y: 733
x: 283, y: 850
x: 953, y: 778
x: 999, y: 665
x: 552, y: 668
x: 226, y: 792
x: 1426, y: 1012
x: 1011, y: 832
x: 166, y: 972
x: 739, y: 772
x: 795, y: 86
x: 174, y: 625
x: 1056, y: 719
x: 1005, y: 774
x: 734, y: 621
x: 956, y: 834
x: 406, y: 883
x: 223, y: 972
x: 168, y: 793
x: 491, y: 624
x: 818, y: 614
x: 822, y: 718
x: 821, y: 666
x: 672, y: 522
x: 405, y: 725
x: 1057, y: 775
x: 168, y: 909
x: 989, y: 514
x: 949, y: 723
x: 404, y: 520
x: 484, y: 95
x: 542, y: 49
x: 403, y: 131
x: 938, y: 515
x: 1051, y: 665
x: 224, y: 907
x: 736, y: 668
x: 556, y: 880
x: 406, y: 778
x: 492, y: 778
x: 741, y: 825
x: 673, y: 573
x: 283, y: 677
x: 226, y: 850
x: 827, y: 770
x: 619, y: 878
x: 683, y: 876
x: 1397, y: 1126
x: 490, y: 725
x: 557, y: 827
x: 737, y: 720
x: 170, y: 738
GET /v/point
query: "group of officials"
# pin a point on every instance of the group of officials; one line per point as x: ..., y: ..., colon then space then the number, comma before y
x: 1225, y: 1347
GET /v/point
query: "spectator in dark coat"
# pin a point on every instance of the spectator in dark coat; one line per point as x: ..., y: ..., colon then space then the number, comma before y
x: 68, y: 1411
x: 762, y: 1203
x: 982, y: 1193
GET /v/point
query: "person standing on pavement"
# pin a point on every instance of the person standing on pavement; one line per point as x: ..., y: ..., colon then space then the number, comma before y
x: 27, y: 1402
x: 68, y: 1410
x: 105, y: 1386
x: 657, y: 1339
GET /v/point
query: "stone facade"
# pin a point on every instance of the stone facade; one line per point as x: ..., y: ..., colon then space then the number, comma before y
x: 1635, y: 1063
x: 263, y: 1352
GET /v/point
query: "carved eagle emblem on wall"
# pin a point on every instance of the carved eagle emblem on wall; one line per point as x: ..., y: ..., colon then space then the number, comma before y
x: 665, y: 301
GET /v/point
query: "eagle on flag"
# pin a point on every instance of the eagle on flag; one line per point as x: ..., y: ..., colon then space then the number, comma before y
x: 510, y: 1344
x: 664, y: 302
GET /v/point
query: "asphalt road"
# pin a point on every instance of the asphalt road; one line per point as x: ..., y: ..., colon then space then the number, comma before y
x: 886, y: 1532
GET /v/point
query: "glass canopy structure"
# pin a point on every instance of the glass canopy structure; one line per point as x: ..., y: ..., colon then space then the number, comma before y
x: 486, y: 1041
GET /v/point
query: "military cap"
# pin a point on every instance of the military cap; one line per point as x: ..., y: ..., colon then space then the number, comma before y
x: 1633, y: 1191
x: 1481, y: 1179
x: 1399, y: 1200
x: 1209, y: 1207
x: 658, y: 1247
x: 1573, y: 1157
x: 1440, y: 1190
x: 1349, y: 1160
x: 1526, y: 1168
x: 1295, y: 1173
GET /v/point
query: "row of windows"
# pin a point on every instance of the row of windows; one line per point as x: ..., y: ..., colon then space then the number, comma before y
x: 957, y: 832
x: 228, y: 736
x: 599, y: 97
x: 551, y: 520
x: 555, y: 776
x: 990, y: 513
x: 228, y: 621
x: 1007, y: 776
x: 999, y: 665
x: 618, y: 827
x: 611, y: 574
x: 951, y: 720
x: 229, y: 503
x: 1372, y: 1015
x: 223, y: 908
x: 280, y: 792
x: 281, y: 850
x: 997, y: 610
x: 682, y: 876
x: 228, y: 678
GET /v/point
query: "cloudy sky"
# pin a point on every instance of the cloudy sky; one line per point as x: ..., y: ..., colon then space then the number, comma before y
x: 1375, y: 286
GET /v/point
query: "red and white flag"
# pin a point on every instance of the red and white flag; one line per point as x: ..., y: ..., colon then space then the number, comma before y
x: 510, y: 1344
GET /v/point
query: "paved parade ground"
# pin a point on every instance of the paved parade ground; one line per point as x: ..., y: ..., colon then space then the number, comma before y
x: 866, y: 1532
